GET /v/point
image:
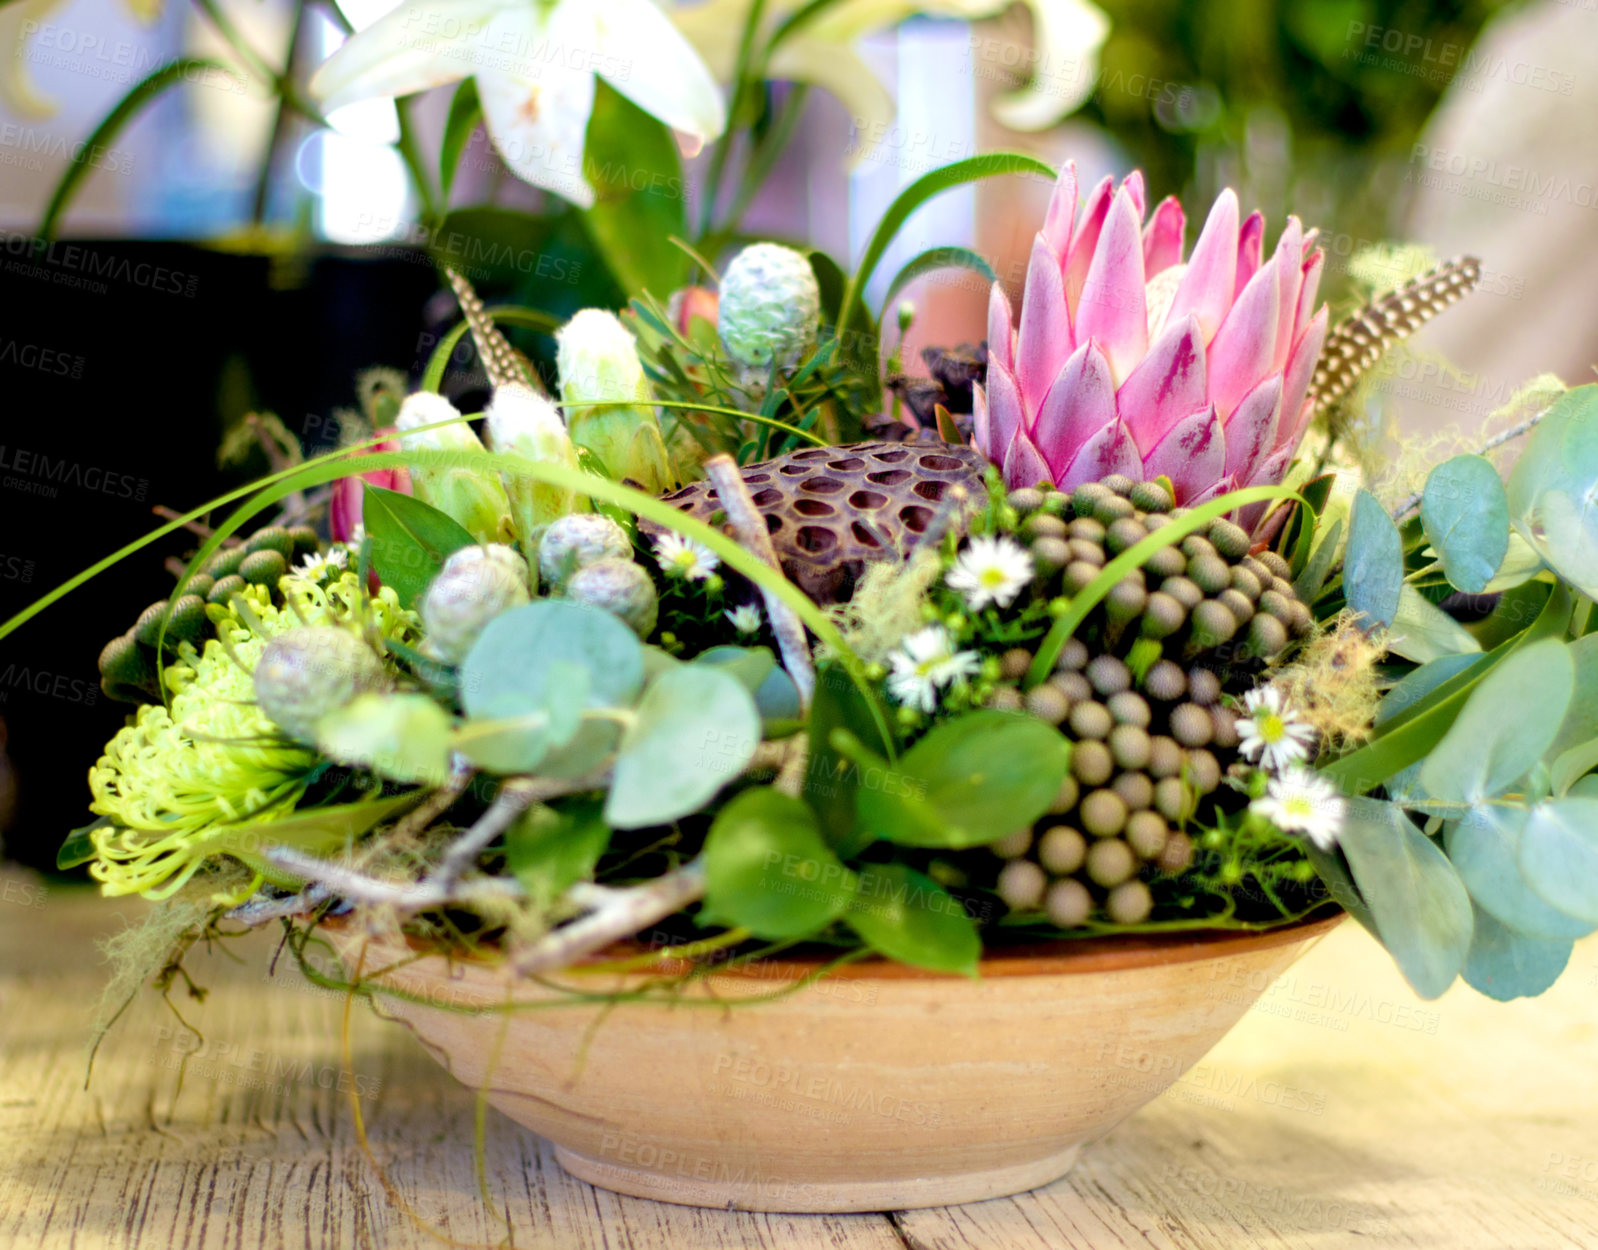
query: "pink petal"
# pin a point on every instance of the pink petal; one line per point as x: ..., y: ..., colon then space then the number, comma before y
x: 1251, y: 429
x: 1085, y: 240
x: 1062, y: 211
x: 981, y: 430
x: 1206, y: 287
x: 1079, y: 404
x: 1006, y: 416
x: 1290, y: 274
x: 1192, y: 454
x: 1162, y: 237
x: 1295, y: 384
x: 1167, y: 385
x: 1132, y: 184
x: 1109, y: 451
x: 1312, y: 237
x: 1023, y: 463
x: 1243, y: 348
x: 1307, y: 292
x: 1269, y: 473
x: 1112, y: 310
x: 1001, y: 335
x: 1250, y: 250
x: 1044, y: 339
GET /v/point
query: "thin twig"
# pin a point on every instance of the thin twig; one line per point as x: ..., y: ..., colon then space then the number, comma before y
x: 260, y: 911
x: 514, y: 798
x: 358, y: 887
x: 746, y: 519
x: 612, y: 915
x: 1409, y: 504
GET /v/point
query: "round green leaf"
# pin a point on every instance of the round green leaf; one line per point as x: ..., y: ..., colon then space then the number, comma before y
x: 1465, y: 514
x: 696, y: 729
x: 908, y: 916
x: 1485, y: 850
x: 520, y: 663
x: 1559, y: 855
x: 1422, y: 631
x: 1553, y: 490
x: 1373, y: 565
x: 1506, y: 964
x: 767, y: 869
x: 404, y: 737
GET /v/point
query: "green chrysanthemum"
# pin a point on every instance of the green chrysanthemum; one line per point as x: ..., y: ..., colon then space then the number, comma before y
x: 181, y: 784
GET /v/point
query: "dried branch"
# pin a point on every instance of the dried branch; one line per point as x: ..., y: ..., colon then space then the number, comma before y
x: 746, y: 519
x: 359, y: 887
x: 612, y: 915
x: 1410, y: 503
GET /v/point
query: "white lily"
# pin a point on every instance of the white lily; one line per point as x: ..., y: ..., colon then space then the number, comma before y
x: 534, y: 62
x: 1067, y: 37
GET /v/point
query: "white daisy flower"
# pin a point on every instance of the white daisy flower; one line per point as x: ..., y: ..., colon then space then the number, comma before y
x: 745, y: 618
x: 1271, y: 732
x: 683, y: 557
x: 1303, y: 802
x: 925, y: 661
x: 990, y: 570
x: 319, y: 564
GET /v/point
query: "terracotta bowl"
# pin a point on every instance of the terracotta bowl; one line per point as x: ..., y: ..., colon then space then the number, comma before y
x: 877, y: 1087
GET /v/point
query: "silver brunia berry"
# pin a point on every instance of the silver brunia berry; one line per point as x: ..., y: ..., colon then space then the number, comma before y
x: 620, y: 587
x: 577, y: 540
x: 475, y: 585
x: 307, y: 672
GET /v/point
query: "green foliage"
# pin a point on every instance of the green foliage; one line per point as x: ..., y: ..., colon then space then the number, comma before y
x: 1551, y: 493
x: 1373, y: 566
x: 549, y: 849
x: 1506, y: 964
x: 1559, y: 855
x: 410, y: 540
x: 768, y: 869
x: 906, y: 915
x: 403, y: 737
x: 1465, y: 513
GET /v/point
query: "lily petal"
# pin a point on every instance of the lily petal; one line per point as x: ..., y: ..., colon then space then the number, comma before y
x: 1001, y: 337
x: 1067, y: 35
x: 841, y: 72
x: 1206, y: 289
x: 539, y: 127
x: 1006, y: 417
x: 1112, y: 310
x: 1023, y: 463
x: 1251, y: 429
x: 1192, y: 454
x: 1044, y: 340
x: 642, y: 55
x: 1250, y: 249
x: 1295, y: 385
x: 1243, y: 348
x: 398, y: 55
x: 1162, y: 237
x: 1109, y: 451
x: 1061, y: 216
x: 1168, y: 384
x: 1079, y: 404
x: 1085, y: 239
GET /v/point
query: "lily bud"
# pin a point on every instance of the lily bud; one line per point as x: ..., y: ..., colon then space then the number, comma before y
x: 349, y: 493
x: 598, y: 363
x: 523, y: 422
x: 473, y: 496
x: 306, y: 673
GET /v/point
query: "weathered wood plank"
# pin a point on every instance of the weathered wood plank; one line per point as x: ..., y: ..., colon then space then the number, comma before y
x: 1341, y: 1112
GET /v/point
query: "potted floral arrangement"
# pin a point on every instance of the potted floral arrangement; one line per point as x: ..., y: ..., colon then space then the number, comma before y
x: 784, y: 803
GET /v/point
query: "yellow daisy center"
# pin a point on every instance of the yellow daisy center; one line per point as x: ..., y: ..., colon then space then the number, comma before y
x: 1271, y: 727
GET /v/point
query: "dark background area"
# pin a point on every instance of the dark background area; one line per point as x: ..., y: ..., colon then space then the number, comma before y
x: 120, y: 365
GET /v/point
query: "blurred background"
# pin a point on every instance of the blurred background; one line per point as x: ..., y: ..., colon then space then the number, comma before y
x: 223, y: 257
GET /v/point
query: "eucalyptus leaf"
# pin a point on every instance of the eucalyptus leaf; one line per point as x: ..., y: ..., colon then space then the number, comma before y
x: 1521, y: 563
x: 750, y: 665
x: 404, y: 737
x: 1505, y: 964
x: 1559, y: 855
x: 970, y: 781
x: 550, y: 849
x: 908, y: 916
x: 1571, y: 766
x: 696, y: 730
x: 1553, y: 489
x: 1373, y: 565
x: 520, y: 743
x: 1485, y: 849
x: 1416, y: 685
x: 1510, y: 719
x: 768, y: 869
x: 518, y: 663
x: 1422, y: 631
x: 410, y: 540
x: 1417, y: 902
x: 1581, y: 720
x: 1465, y: 514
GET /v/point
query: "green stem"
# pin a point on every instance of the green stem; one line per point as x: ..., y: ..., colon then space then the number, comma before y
x: 411, y: 153
x: 740, y: 86
x: 765, y: 157
x: 280, y: 114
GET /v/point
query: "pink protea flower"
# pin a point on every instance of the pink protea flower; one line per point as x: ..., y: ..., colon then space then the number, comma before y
x: 1127, y: 360
x: 344, y: 512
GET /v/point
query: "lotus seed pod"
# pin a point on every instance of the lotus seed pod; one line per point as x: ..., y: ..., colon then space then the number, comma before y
x: 1066, y: 799
x: 1050, y: 553
x: 770, y: 308
x: 271, y: 538
x: 573, y: 541
x: 1110, y: 862
x: 1062, y: 849
x: 226, y: 588
x: 609, y: 405
x: 1191, y: 725
x: 225, y: 562
x: 1237, y: 603
x: 1130, y: 746
x: 312, y: 670
x: 1165, y: 757
x: 1212, y: 624
x: 1129, y: 903
x: 1078, y: 574
x: 1103, y: 813
x: 1108, y: 675
x: 1074, y: 686
x: 620, y: 587
x: 475, y: 585
x: 1203, y: 686
x: 1230, y: 540
x: 1025, y: 499
x: 1124, y: 533
x: 1129, y: 708
x: 1245, y: 581
x: 1173, y: 799
x: 1151, y: 497
x: 1203, y: 770
x: 1147, y: 833
x: 1012, y: 845
x: 468, y: 492
x: 1068, y: 903
x: 1266, y: 636
x: 1043, y: 525
x: 1164, y: 681
x: 1278, y: 567
x: 1163, y: 616
x: 524, y: 423
x: 1021, y: 884
x: 1119, y: 483
x: 1073, y: 655
x: 1211, y: 574
x: 1047, y: 704
x: 1166, y: 562
x: 1177, y: 855
x: 1184, y: 591
x: 1135, y: 789
x: 263, y: 568
x: 1091, y: 720
x: 1091, y: 763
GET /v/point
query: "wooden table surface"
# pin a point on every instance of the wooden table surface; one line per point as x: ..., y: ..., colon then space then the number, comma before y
x: 1342, y: 1111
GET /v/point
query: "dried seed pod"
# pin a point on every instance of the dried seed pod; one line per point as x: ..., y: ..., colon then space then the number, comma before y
x: 226, y: 588
x: 1166, y: 562
x: 1087, y: 495
x: 263, y: 568
x: 1062, y: 849
x: 1184, y: 590
x: 1266, y: 636
x: 225, y: 562
x: 1147, y: 833
x: 1163, y: 616
x: 1197, y: 547
x: 1066, y: 799
x: 1047, y: 703
x: 1191, y: 725
x: 1074, y: 686
x: 1177, y: 855
x: 1164, y: 681
x: 1151, y: 497
x: 1087, y: 552
x: 1050, y: 553
x: 1073, y: 655
x: 1091, y: 720
x: 1135, y: 789
x: 1203, y: 771
x: 1118, y: 482
x: 1230, y: 540
x: 1239, y: 604
x: 1173, y: 799
x: 1165, y: 757
x: 1130, y: 746
x: 1006, y: 699
x: 1124, y: 533
x: 1012, y: 845
x: 1226, y: 736
x: 1025, y: 499
x: 1245, y: 581
x: 1203, y: 686
x: 1129, y: 708
x: 1088, y: 530
x: 1125, y: 601
x: 1043, y: 525
x: 1110, y: 862
x: 1211, y: 625
x: 1129, y: 903
x: 1108, y: 675
x: 1013, y: 664
x: 1021, y: 884
x: 1068, y: 903
x: 1103, y: 813
x: 1111, y: 509
x: 271, y: 538
x: 1211, y: 574
x: 1091, y: 763
x: 1274, y: 603
x: 1078, y: 574
x: 1277, y: 566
